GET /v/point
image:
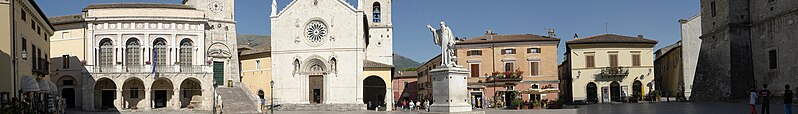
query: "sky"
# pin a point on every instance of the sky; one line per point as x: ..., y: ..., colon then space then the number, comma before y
x: 655, y: 19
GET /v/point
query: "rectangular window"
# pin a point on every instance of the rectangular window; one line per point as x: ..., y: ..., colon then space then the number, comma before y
x: 712, y: 8
x: 474, y: 52
x: 186, y: 55
x: 635, y: 59
x: 508, y: 67
x: 33, y: 56
x: 613, y: 60
x: 508, y: 51
x: 257, y: 64
x: 134, y: 92
x: 160, y: 54
x: 773, y: 59
x: 23, y: 15
x: 534, y: 68
x: 590, y: 61
x: 65, y: 35
x: 65, y: 61
x: 25, y: 47
x: 475, y: 70
x: 533, y: 50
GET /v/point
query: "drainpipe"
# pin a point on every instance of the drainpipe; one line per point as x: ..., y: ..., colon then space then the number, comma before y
x: 14, y: 48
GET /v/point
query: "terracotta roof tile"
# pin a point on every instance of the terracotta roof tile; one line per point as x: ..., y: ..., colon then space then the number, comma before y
x: 372, y: 64
x: 506, y: 38
x: 66, y: 19
x: 610, y: 38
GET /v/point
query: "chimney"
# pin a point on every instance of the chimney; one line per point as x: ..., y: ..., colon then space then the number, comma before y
x: 551, y: 33
x: 640, y: 36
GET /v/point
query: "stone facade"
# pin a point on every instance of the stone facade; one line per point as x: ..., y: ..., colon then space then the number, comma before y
x: 137, y: 56
x: 605, y: 68
x: 329, y: 52
x: 744, y: 43
x: 691, y: 45
x: 668, y: 69
x: 25, y: 32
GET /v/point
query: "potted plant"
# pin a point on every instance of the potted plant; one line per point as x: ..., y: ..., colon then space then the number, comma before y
x: 517, y: 103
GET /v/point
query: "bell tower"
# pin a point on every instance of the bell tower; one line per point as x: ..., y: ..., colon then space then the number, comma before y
x: 220, y: 36
x: 380, y: 37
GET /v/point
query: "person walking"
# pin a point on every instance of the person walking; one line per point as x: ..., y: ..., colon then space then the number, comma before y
x: 752, y: 100
x: 418, y: 108
x: 412, y: 105
x: 404, y: 105
x: 787, y: 99
x: 764, y: 96
x: 426, y: 105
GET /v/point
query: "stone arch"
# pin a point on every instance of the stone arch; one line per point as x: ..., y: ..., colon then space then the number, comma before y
x: 376, y: 12
x: 190, y: 90
x: 66, y: 87
x: 637, y: 90
x: 133, y: 52
x: 105, y: 93
x: 315, y: 66
x: 615, y: 91
x: 374, y: 91
x: 186, y: 52
x: 162, y: 91
x: 133, y: 93
x: 219, y: 50
x: 591, y: 92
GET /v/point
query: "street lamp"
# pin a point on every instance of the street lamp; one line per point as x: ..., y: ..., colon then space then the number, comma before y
x: 271, y: 106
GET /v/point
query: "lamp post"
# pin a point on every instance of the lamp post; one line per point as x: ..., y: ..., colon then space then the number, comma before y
x: 271, y: 106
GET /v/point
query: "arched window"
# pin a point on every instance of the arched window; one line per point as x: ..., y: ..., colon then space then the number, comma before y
x: 159, y: 51
x: 376, y: 12
x: 106, y: 52
x: 186, y: 46
x: 133, y: 52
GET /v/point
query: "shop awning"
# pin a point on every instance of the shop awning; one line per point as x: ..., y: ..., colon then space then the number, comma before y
x: 29, y: 84
x: 44, y: 85
x: 53, y: 88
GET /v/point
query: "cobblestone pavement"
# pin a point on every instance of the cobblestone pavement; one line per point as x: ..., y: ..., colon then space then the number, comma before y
x: 486, y: 111
x: 675, y: 108
x: 140, y: 112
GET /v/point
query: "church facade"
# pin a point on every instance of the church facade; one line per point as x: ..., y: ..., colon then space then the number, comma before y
x: 141, y: 56
x: 328, y: 52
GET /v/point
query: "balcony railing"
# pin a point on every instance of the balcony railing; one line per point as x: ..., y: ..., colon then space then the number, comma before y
x: 149, y: 69
x: 612, y: 73
x: 508, y: 76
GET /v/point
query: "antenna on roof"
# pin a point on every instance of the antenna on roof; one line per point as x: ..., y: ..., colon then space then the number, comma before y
x: 606, y: 27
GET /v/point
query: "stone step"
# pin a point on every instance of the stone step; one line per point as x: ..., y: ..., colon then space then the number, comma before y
x: 321, y: 107
x: 236, y: 101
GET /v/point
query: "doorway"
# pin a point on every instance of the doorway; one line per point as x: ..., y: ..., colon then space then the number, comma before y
x: 316, y: 87
x: 108, y: 98
x: 592, y: 95
x: 160, y: 98
x: 69, y: 95
x: 615, y: 92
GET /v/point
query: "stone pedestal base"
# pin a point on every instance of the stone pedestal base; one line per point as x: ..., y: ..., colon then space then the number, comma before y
x: 449, y: 86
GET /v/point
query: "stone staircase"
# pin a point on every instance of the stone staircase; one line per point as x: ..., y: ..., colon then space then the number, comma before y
x: 321, y: 107
x: 236, y: 101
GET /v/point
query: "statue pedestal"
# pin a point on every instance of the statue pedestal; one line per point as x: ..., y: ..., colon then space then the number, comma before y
x: 449, y: 88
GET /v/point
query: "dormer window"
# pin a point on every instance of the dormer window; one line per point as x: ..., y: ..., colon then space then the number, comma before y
x: 376, y: 12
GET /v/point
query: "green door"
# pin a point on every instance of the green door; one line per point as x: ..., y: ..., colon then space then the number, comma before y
x: 218, y: 73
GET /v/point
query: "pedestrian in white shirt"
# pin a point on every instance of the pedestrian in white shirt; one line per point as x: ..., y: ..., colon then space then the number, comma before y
x: 752, y: 100
x: 412, y: 105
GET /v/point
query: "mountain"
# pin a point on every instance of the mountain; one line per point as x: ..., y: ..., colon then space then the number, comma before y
x: 401, y: 62
x: 264, y: 42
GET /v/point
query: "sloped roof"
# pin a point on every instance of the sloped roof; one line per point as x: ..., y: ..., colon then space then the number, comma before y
x: 372, y: 64
x: 493, y: 38
x: 136, y: 5
x: 610, y: 38
x: 66, y: 19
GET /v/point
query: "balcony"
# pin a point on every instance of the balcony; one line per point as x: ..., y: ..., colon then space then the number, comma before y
x: 149, y: 69
x: 612, y: 73
x: 42, y: 67
x: 508, y: 76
